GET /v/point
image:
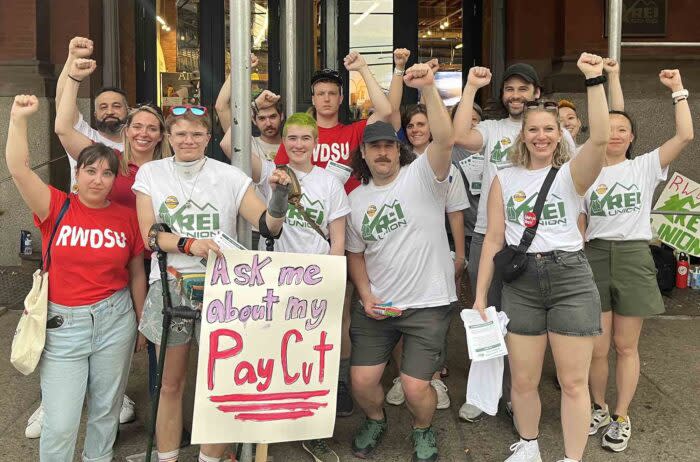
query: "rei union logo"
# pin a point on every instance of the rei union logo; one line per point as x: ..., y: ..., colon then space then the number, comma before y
x: 376, y: 225
x: 616, y: 200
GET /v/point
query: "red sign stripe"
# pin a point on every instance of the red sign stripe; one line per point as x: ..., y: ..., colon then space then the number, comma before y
x: 268, y: 396
x: 271, y: 406
x: 266, y: 417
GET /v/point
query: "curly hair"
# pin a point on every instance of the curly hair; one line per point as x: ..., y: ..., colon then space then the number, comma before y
x: 360, y: 169
x: 519, y: 154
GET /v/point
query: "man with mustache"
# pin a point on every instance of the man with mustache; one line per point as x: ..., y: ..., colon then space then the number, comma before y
x: 396, y: 243
x: 495, y: 138
x: 111, y: 106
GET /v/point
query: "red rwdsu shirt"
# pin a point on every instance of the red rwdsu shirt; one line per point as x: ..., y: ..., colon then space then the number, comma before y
x: 121, y: 190
x: 337, y: 144
x: 91, y: 250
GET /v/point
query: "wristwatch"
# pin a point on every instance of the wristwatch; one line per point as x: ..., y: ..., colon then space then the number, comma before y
x: 181, y: 244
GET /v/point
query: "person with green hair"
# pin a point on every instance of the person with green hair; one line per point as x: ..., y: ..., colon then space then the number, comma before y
x: 314, y: 225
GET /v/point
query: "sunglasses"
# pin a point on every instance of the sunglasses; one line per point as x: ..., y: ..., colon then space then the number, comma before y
x: 546, y: 105
x: 181, y: 110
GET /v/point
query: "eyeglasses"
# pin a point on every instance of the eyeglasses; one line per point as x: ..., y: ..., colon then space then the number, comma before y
x: 181, y: 110
x: 546, y: 105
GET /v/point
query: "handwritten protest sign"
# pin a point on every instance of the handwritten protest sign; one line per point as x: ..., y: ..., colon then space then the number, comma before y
x: 682, y: 232
x: 269, y: 348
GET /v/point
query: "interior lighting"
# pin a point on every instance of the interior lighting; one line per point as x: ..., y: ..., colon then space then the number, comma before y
x: 369, y: 11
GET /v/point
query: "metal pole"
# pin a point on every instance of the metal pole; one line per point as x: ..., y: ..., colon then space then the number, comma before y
x: 110, y: 36
x: 290, y: 58
x: 614, y: 29
x: 239, y: 25
x: 498, y: 48
x: 660, y: 44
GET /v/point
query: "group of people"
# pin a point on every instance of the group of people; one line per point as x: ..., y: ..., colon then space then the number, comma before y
x: 377, y: 191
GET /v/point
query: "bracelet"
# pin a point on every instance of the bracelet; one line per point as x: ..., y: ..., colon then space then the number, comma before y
x: 593, y: 81
x: 682, y: 98
x: 188, y: 245
x: 679, y: 93
x: 74, y: 79
x: 399, y: 72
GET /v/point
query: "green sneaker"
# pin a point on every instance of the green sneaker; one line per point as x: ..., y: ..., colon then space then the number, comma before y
x: 424, y: 445
x: 368, y: 437
x: 320, y: 451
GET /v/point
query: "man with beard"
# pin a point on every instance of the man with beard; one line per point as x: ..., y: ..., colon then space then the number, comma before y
x: 494, y: 138
x: 111, y: 106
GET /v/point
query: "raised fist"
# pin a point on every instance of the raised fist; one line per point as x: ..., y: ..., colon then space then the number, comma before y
x: 610, y: 66
x: 671, y: 78
x: 266, y: 99
x: 82, y: 68
x: 434, y: 65
x: 479, y: 77
x: 419, y: 76
x: 591, y: 65
x: 24, y: 106
x: 401, y: 58
x: 80, y: 47
x: 354, y: 61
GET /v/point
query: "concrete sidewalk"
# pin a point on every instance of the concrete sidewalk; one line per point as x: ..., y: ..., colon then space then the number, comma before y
x: 665, y: 413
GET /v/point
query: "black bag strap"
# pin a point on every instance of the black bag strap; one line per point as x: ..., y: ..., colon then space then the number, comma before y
x: 529, y: 233
x: 46, y: 261
x: 464, y: 177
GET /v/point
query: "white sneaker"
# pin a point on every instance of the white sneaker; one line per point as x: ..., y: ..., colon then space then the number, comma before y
x: 34, y: 424
x: 525, y: 451
x: 617, y: 435
x: 470, y: 413
x: 127, y: 414
x: 600, y: 417
x: 443, y: 399
x: 396, y: 395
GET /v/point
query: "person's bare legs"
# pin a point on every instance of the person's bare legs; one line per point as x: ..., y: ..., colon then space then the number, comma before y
x: 598, y: 376
x: 367, y: 389
x: 526, y: 355
x: 626, y: 332
x: 169, y: 423
x: 421, y: 400
x: 572, y: 356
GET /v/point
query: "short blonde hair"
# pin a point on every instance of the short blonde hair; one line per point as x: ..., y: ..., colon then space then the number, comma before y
x: 519, y: 154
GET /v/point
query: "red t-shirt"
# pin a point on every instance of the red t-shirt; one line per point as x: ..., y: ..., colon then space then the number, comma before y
x: 337, y: 144
x: 121, y: 190
x: 91, y: 250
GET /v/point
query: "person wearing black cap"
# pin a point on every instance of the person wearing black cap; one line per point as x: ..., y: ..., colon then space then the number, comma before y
x: 495, y: 137
x: 395, y: 241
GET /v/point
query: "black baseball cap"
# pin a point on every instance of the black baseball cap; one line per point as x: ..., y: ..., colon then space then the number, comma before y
x: 379, y: 131
x: 330, y: 75
x: 524, y: 71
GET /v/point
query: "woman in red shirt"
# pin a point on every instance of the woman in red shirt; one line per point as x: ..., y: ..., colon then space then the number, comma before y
x: 96, y: 292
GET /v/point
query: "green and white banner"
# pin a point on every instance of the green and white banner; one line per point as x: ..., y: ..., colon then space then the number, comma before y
x: 682, y: 232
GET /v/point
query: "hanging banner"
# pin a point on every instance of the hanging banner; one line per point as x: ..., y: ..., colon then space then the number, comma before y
x: 682, y: 232
x: 269, y: 348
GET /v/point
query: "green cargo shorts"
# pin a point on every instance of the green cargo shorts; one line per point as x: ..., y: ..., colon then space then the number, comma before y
x: 625, y: 275
x: 423, y: 331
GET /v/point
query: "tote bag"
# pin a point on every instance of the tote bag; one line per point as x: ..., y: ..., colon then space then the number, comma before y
x: 30, y: 335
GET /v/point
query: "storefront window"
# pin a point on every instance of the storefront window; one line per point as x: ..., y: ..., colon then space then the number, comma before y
x: 371, y: 34
x: 440, y: 36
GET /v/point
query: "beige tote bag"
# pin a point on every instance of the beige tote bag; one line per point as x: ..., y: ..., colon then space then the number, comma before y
x: 30, y: 335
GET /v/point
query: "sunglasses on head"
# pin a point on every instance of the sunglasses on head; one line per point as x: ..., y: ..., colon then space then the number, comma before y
x: 181, y: 110
x: 546, y: 105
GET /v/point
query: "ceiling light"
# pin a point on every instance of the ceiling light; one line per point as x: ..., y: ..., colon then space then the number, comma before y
x: 459, y: 45
x: 161, y: 20
x: 429, y: 33
x: 443, y: 38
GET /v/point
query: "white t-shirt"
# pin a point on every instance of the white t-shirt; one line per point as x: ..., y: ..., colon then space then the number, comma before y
x: 83, y: 127
x: 499, y: 137
x: 618, y: 204
x: 456, y: 195
x: 400, y: 228
x: 214, y: 194
x: 558, y: 229
x: 324, y: 200
x: 265, y: 151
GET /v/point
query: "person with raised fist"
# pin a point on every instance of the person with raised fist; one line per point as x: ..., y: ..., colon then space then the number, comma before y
x: 618, y: 211
x: 97, y: 288
x: 553, y: 299
x: 396, y: 247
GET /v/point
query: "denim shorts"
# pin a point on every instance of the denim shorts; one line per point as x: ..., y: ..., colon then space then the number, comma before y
x: 423, y: 330
x: 151, y: 326
x: 556, y: 293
